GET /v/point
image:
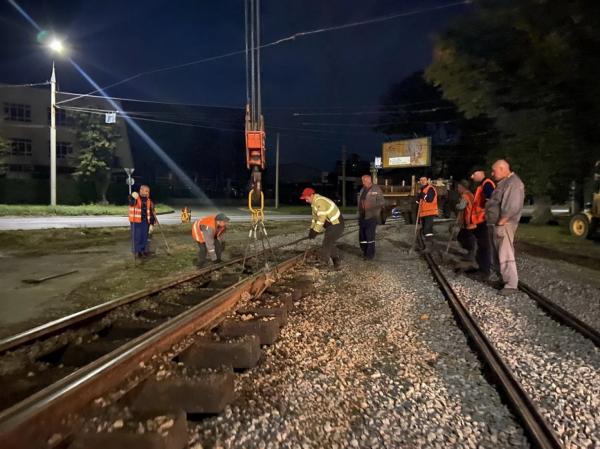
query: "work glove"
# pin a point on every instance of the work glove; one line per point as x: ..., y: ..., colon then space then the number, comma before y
x: 150, y: 229
x: 135, y: 195
x: 312, y: 234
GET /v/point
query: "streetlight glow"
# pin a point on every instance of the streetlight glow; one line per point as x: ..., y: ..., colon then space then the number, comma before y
x: 56, y: 45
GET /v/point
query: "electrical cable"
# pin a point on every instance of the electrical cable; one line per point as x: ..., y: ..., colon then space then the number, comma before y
x: 280, y: 41
x: 45, y: 83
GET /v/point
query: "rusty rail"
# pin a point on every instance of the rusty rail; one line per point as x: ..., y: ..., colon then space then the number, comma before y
x: 31, y: 422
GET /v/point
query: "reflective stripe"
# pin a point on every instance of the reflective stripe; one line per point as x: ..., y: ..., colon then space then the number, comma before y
x: 367, y: 242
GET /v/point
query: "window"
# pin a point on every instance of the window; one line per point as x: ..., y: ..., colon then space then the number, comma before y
x: 63, y: 150
x: 20, y: 147
x: 63, y: 118
x: 15, y: 112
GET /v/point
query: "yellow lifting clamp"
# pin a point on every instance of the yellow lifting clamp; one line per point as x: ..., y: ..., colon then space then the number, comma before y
x: 258, y: 239
x: 258, y: 214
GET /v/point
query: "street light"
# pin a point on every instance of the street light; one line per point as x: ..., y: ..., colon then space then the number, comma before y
x: 57, y: 47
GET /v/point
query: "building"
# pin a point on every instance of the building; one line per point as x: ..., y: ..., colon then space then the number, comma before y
x: 25, y: 123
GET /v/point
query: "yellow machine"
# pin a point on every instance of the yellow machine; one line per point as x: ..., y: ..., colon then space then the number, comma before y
x: 186, y: 215
x: 585, y: 224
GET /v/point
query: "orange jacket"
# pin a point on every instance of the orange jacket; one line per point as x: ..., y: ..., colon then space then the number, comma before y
x: 467, y: 218
x: 478, y: 214
x: 209, y: 224
x: 428, y: 209
x: 135, y: 211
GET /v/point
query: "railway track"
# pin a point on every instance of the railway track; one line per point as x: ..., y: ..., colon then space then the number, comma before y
x: 91, y: 352
x: 542, y: 434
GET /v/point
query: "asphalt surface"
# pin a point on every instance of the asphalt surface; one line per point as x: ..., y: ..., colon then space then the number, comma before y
x: 99, y: 221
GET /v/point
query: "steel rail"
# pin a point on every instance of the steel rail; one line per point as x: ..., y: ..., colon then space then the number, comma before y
x: 561, y: 315
x: 31, y: 422
x: 52, y: 327
x: 540, y: 432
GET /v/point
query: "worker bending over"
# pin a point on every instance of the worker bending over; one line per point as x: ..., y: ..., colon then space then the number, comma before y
x: 141, y: 218
x: 326, y: 217
x: 466, y: 235
x: 208, y: 232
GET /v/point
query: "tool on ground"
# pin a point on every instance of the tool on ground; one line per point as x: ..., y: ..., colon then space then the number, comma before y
x: 47, y: 278
x: 412, y: 247
x: 453, y: 232
x: 162, y: 233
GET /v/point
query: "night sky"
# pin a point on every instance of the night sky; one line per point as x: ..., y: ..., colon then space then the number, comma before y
x: 341, y: 71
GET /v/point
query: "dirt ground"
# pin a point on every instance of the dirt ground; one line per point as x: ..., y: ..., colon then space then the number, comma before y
x: 104, y: 266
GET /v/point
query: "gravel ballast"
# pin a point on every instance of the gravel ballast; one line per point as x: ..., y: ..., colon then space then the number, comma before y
x: 574, y: 288
x: 372, y: 359
x: 557, y: 367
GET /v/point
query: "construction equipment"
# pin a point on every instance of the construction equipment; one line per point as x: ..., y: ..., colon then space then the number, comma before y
x: 403, y: 197
x: 162, y: 233
x: 584, y: 224
x: 258, y: 239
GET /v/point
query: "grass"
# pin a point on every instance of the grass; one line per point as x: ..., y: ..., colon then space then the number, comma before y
x: 85, y: 209
x: 555, y: 242
x: 60, y: 241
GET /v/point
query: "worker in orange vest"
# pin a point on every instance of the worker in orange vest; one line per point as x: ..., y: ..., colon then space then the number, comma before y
x: 485, y: 248
x: 208, y: 232
x: 466, y: 235
x: 141, y: 219
x: 428, y: 206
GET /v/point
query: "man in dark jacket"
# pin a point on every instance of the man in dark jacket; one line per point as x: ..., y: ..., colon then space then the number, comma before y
x: 370, y: 203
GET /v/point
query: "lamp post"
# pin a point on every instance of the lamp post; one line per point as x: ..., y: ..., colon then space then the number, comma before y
x: 57, y: 47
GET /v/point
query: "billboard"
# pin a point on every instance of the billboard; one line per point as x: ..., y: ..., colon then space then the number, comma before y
x: 407, y: 153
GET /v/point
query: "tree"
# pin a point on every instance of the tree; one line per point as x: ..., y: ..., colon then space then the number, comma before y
x: 98, y: 144
x: 531, y: 66
x: 5, y: 149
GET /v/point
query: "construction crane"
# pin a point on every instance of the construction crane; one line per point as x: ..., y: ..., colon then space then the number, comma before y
x: 258, y: 240
x: 255, y: 126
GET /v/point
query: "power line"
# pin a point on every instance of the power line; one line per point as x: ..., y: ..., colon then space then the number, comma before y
x: 411, y: 111
x: 45, y: 83
x: 139, y: 100
x: 280, y: 41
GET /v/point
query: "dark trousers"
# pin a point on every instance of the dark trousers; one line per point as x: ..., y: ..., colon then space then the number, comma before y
x: 139, y: 232
x: 484, y: 248
x: 332, y: 234
x: 427, y: 223
x: 203, y: 253
x: 366, y: 236
x: 466, y: 238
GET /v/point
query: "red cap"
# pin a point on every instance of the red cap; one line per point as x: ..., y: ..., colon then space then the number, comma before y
x: 306, y: 193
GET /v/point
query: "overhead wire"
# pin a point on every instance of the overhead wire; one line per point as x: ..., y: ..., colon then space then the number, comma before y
x: 280, y: 41
x: 45, y: 83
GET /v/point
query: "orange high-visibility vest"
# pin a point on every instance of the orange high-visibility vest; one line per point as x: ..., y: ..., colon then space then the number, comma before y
x: 135, y: 211
x: 428, y: 209
x: 211, y: 223
x: 468, y: 211
x: 478, y: 214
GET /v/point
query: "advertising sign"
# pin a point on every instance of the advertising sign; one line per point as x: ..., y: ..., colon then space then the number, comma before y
x: 407, y: 153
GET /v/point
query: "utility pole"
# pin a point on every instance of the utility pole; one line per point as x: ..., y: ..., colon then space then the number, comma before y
x: 344, y: 176
x: 53, y: 137
x: 277, y: 173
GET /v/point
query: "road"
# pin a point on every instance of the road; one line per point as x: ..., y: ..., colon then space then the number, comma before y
x: 95, y: 221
